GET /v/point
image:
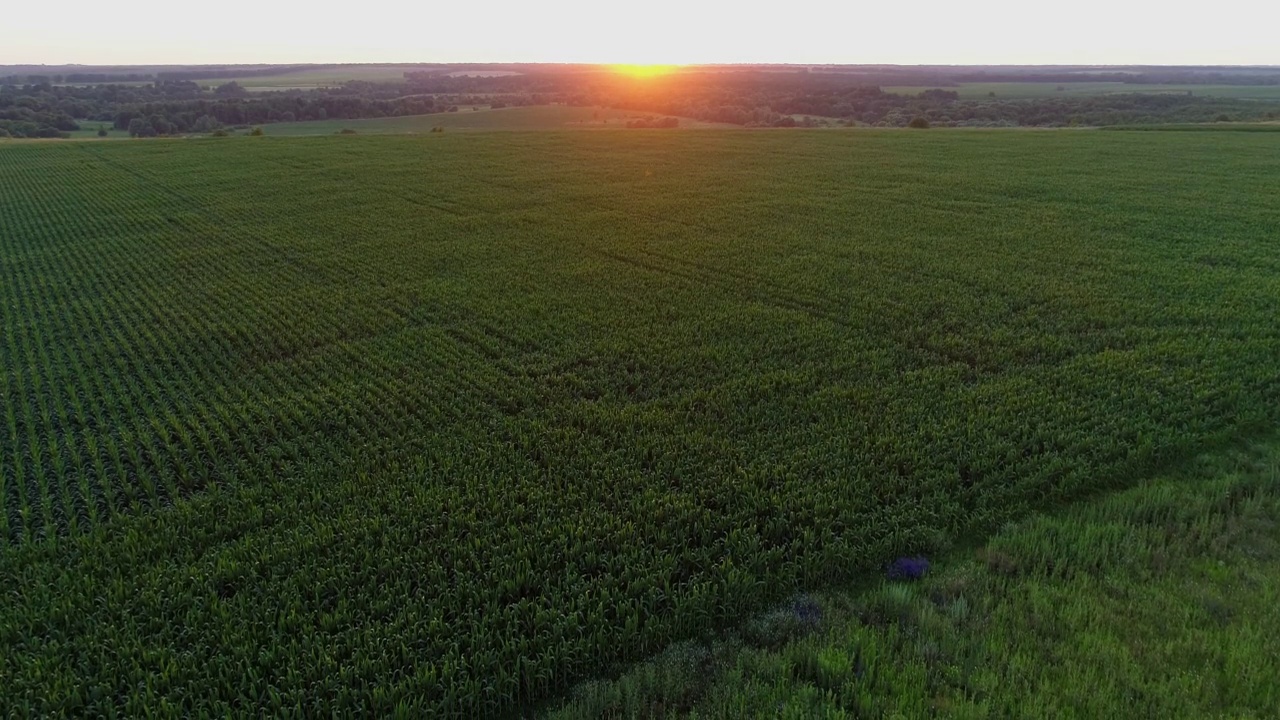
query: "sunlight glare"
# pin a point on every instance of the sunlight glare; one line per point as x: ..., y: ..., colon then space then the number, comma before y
x: 643, y: 71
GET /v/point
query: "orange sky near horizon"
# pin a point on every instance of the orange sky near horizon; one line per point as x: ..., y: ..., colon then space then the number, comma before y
x: 1229, y: 32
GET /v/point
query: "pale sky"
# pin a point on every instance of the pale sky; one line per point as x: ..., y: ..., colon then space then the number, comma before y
x: 1229, y: 32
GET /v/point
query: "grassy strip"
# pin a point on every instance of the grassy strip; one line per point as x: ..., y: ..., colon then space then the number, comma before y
x: 1154, y: 602
x: 533, y: 117
x: 1202, y: 127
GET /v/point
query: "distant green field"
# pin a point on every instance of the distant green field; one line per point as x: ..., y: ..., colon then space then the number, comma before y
x: 1015, y: 90
x: 309, y: 78
x: 541, y: 117
x: 439, y: 426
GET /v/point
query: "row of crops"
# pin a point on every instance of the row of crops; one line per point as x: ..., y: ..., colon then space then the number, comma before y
x: 442, y: 425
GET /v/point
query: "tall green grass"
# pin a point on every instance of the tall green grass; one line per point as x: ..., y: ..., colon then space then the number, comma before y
x: 1157, y: 601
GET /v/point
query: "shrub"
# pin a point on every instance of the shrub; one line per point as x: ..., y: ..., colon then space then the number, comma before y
x: 919, y: 123
x: 648, y: 122
x: 346, y: 131
x: 256, y: 132
x: 775, y: 629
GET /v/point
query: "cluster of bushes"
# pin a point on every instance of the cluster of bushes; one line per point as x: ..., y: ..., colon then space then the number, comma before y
x: 21, y: 129
x: 31, y: 121
x: 652, y: 122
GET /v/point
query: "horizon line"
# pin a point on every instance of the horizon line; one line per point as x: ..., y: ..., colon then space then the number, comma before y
x: 674, y: 64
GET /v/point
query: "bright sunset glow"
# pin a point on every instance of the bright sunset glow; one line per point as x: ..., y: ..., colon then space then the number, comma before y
x: 667, y: 31
x: 644, y: 71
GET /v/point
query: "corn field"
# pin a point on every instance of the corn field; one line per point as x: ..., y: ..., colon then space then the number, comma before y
x: 438, y: 426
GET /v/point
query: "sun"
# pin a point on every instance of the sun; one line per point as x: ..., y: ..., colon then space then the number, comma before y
x: 643, y: 71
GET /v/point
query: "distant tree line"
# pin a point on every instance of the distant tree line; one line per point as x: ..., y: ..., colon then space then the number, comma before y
x: 169, y: 107
x: 213, y: 72
x: 85, y: 78
x: 1152, y: 76
x: 786, y: 97
x: 884, y: 75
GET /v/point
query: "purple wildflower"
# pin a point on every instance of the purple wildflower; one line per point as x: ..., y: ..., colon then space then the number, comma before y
x: 908, y: 568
